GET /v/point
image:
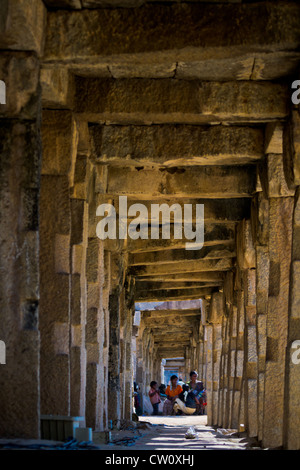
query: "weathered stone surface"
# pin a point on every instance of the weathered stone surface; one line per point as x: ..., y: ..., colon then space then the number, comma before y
x: 59, y: 137
x: 195, y: 44
x: 291, y: 149
x: 169, y: 313
x: 273, y: 179
x: 176, y: 145
x: 245, y: 247
x: 82, y: 174
x: 252, y: 406
x: 216, y: 211
x: 62, y: 253
x: 55, y: 226
x: 76, y: 307
x: 77, y: 381
x: 76, y: 4
x: 168, y: 256
x: 214, y: 234
x: 19, y: 287
x: 249, y: 285
x: 23, y: 25
x: 162, y: 323
x: 57, y: 88
x: 262, y: 279
x: 20, y: 73
x: 19, y: 383
x: 216, y: 308
x: 129, y: 3
x: 208, y: 182
x: 182, y: 267
x: 273, y: 138
x: 20, y: 170
x: 260, y: 219
x: 83, y: 147
x: 214, y: 276
x: 277, y: 319
x: 178, y: 101
x: 173, y: 294
x: 258, y: 66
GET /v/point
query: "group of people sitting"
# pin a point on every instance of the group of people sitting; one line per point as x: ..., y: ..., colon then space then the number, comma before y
x: 180, y: 398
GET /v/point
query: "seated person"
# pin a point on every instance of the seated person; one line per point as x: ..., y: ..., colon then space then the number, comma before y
x: 197, y: 386
x: 172, y: 392
x: 183, y: 394
x: 162, y: 390
x: 137, y: 400
x: 187, y: 401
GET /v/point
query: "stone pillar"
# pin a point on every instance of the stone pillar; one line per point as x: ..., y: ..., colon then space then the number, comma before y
x: 59, y: 136
x: 79, y: 241
x: 114, y: 355
x: 20, y: 157
x: 230, y: 343
x: 239, y: 393
x: 216, y: 314
x: 209, y: 372
x: 129, y: 305
x: 19, y: 286
x: 105, y: 306
x: 292, y: 404
x: 260, y: 215
x: 281, y: 204
x: 217, y: 347
x: 246, y: 256
x: 251, y: 354
x: 95, y: 333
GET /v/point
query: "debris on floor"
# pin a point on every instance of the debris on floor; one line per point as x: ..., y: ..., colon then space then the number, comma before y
x: 221, y: 432
x: 191, y: 433
x: 41, y: 444
x: 125, y: 441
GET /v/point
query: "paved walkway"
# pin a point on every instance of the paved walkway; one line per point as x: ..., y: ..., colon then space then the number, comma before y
x: 168, y: 433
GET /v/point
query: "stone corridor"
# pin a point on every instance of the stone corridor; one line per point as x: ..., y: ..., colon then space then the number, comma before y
x: 144, y: 103
x: 168, y: 433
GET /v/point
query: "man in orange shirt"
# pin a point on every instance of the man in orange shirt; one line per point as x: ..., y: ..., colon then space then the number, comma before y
x: 172, y: 392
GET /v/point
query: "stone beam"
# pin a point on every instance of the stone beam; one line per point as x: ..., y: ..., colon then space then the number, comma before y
x: 208, y: 182
x: 185, y: 333
x: 169, y: 313
x: 162, y: 101
x: 173, y: 343
x: 170, y: 145
x: 215, y: 210
x: 172, y: 250
x: 160, y: 335
x: 175, y: 294
x: 174, y: 285
x: 165, y: 325
x: 165, y: 352
x: 209, y: 276
x: 182, y: 267
x: 159, y: 43
x: 170, y: 256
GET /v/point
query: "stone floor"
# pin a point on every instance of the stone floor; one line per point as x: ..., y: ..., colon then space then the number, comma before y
x: 168, y: 433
